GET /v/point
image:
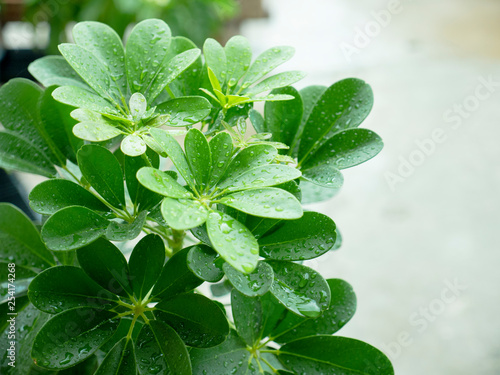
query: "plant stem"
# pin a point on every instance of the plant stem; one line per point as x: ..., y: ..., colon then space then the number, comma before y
x: 177, y: 240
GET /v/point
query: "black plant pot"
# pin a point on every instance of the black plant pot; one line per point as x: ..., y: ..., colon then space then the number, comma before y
x: 14, y: 63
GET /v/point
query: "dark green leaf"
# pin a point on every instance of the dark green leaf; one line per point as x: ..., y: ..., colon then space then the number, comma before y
x: 51, y: 196
x: 185, y: 110
x: 106, y: 265
x: 198, y: 156
x: 250, y: 157
x: 176, y: 277
x: 247, y: 315
x: 140, y: 196
x: 102, y: 170
x: 308, y: 237
x: 268, y: 202
x: 334, y: 355
x: 125, y: 231
x: 188, y: 82
x: 20, y: 242
x: 183, y: 214
x: 65, y: 287
x: 205, y: 263
x: 55, y: 70
x: 256, y: 283
x: 73, y: 227
x: 199, y: 321
x: 72, y: 336
x: 299, y: 288
x: 343, y: 105
x: 233, y: 241
x: 146, y: 263
x: 120, y: 360
x: 221, y: 149
x: 161, y: 183
x: 160, y: 348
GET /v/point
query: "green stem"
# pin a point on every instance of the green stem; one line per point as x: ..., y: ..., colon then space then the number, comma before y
x: 169, y: 91
x: 177, y: 240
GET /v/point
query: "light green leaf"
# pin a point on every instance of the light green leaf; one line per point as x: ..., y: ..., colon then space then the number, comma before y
x: 233, y: 241
x: 124, y: 231
x: 266, y: 62
x: 274, y: 82
x: 146, y: 263
x: 120, y: 360
x: 188, y: 82
x: 138, y: 106
x: 55, y: 70
x: 103, y: 171
x: 183, y: 214
x: 269, y: 202
x: 300, y: 289
x: 198, y: 156
x: 215, y: 59
x: 324, y: 175
x: 185, y: 110
x: 312, y: 193
x: 308, y: 237
x: 66, y: 287
x: 239, y: 56
x: 73, y: 227
x: 253, y: 284
x: 198, y: 320
x: 50, y: 196
x: 161, y: 183
x: 205, y: 263
x: 95, y: 131
x: 133, y: 145
x: 81, y: 98
x: 334, y: 355
x: 221, y: 149
x: 62, y: 342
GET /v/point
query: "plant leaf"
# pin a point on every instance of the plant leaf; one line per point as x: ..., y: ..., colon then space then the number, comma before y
x: 120, y: 360
x: 146, y: 263
x: 66, y: 287
x: 306, y: 238
x: 199, y: 321
x: 21, y: 242
x: 247, y: 315
x: 73, y: 227
x: 161, y: 348
x: 215, y: 59
x: 95, y: 131
x: 268, y: 202
x: 105, y: 264
x: 133, y: 145
x: 125, y: 231
x: 52, y: 349
x: 188, y: 82
x: 274, y: 82
x: 205, y: 263
x: 198, y: 156
x: 334, y: 354
x: 233, y: 241
x: 81, y: 98
x: 103, y: 171
x: 312, y: 193
x: 239, y: 56
x: 141, y: 197
x: 324, y: 175
x: 300, y: 289
x: 185, y: 111
x: 253, y: 284
x: 265, y: 62
x: 183, y: 214
x: 161, y: 183
x: 55, y: 70
x: 221, y: 149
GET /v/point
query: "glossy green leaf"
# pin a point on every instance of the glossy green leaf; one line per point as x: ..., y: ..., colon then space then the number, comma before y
x: 325, y: 175
x: 247, y: 315
x: 340, y: 311
x: 308, y: 237
x: 133, y: 145
x: 257, y: 121
x: 176, y: 277
x: 51, y: 196
x: 20, y: 241
x: 105, y: 44
x: 73, y: 227
x: 72, y: 336
x: 160, y: 348
x: 146, y: 263
x: 221, y: 149
x: 334, y: 355
x: 199, y: 321
x: 141, y: 197
x: 300, y: 289
x: 215, y: 58
x: 283, y: 117
x: 343, y: 105
x: 205, y: 263
x: 274, y: 82
x: 263, y: 176
x: 312, y: 193
x: 138, y: 106
x: 185, y: 110
x: 198, y: 156
x: 188, y: 82
x: 175, y: 153
x: 23, y: 277
x: 103, y: 171
x: 124, y: 231
x: 266, y: 62
x: 104, y: 263
x: 238, y: 58
x: 268, y: 202
x: 183, y: 214
x: 161, y: 183
x: 253, y: 284
x: 120, y: 360
x: 55, y: 70
x: 81, y: 98
x: 250, y: 157
x: 65, y: 287
x: 230, y: 357
x: 233, y: 241
x: 347, y: 149
x: 146, y: 50
x: 95, y: 131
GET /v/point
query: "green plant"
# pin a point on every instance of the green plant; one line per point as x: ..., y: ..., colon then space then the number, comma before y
x: 227, y: 211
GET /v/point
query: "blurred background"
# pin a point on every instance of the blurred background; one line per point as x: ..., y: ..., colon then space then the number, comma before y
x: 420, y: 220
